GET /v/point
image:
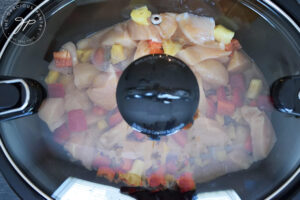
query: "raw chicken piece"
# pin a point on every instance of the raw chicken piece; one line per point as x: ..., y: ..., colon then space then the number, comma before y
x: 178, y: 36
x: 168, y: 26
x: 100, y: 80
x: 142, y: 50
x: 213, y: 45
x: 82, y: 146
x: 202, y: 101
x: 84, y: 75
x: 92, y: 118
x: 141, y: 32
x: 68, y: 83
x: 77, y: 100
x: 134, y: 150
x: 242, y: 159
x: 239, y: 62
x: 104, y: 94
x: 213, y: 72
x: 197, y: 29
x: 262, y: 133
x: 208, y: 132
x: 52, y: 111
x: 118, y: 35
x: 57, y: 123
x: 195, y: 54
x: 114, y: 136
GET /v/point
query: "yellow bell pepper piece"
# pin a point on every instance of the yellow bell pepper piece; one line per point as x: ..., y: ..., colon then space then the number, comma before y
x: 223, y: 34
x: 141, y: 15
x: 52, y: 77
x: 117, y: 54
x: 171, y: 48
x: 255, y: 87
x: 102, y: 125
x: 84, y: 55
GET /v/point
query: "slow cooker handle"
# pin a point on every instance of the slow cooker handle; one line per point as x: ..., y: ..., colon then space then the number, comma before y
x: 19, y: 97
x: 285, y: 93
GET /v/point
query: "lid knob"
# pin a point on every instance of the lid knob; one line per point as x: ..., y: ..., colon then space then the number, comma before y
x: 158, y: 95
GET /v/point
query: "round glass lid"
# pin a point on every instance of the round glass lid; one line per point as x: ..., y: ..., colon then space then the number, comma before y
x: 164, y: 96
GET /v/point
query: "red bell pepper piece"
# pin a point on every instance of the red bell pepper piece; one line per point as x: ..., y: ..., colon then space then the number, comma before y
x: 237, y: 97
x: 101, y: 161
x: 107, y: 173
x: 264, y: 103
x: 186, y: 182
x: 237, y: 81
x: 77, y: 121
x: 56, y: 90
x: 248, y: 144
x: 156, y: 180
x: 62, y: 59
x: 233, y: 45
x: 99, y: 111
x: 225, y: 107
x: 221, y: 93
x: 62, y: 134
x: 115, y: 119
x: 139, y: 136
x: 155, y: 47
x: 211, y: 109
x: 180, y: 138
x: 188, y: 126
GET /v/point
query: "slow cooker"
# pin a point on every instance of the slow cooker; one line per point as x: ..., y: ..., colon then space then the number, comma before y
x: 146, y: 99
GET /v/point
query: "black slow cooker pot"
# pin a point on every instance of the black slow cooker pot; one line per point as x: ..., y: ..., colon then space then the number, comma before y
x: 37, y: 167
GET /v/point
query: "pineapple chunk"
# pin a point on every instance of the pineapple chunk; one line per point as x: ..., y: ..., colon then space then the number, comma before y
x: 117, y: 54
x: 223, y: 34
x: 131, y: 179
x: 171, y: 48
x: 134, y: 176
x: 137, y: 167
x: 102, y: 125
x: 141, y: 15
x: 254, y: 89
x: 220, y: 119
x: 84, y: 55
x: 52, y: 77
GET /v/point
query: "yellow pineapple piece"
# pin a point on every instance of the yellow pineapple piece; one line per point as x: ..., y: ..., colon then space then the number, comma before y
x: 84, y: 55
x: 141, y: 15
x: 223, y: 34
x: 117, y: 54
x: 52, y: 77
x: 171, y: 48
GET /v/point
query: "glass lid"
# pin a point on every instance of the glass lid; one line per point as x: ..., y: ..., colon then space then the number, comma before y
x: 159, y: 98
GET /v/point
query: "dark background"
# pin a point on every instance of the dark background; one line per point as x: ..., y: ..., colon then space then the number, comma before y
x: 292, y: 7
